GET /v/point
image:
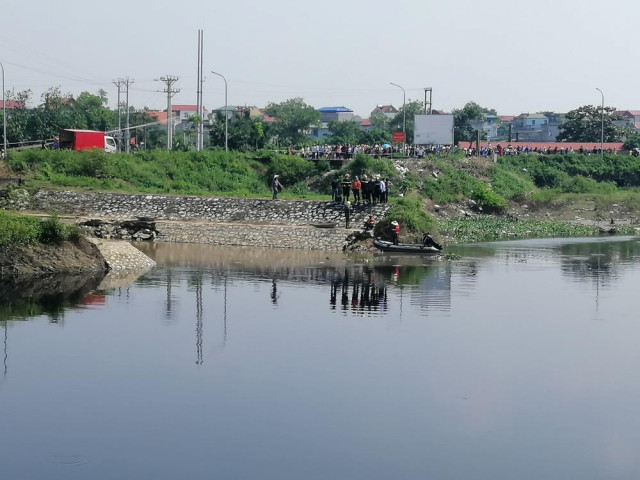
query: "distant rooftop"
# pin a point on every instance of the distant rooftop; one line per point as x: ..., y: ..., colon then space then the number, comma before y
x: 335, y: 110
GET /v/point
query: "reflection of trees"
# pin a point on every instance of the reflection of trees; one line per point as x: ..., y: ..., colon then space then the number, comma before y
x: 25, y: 297
x: 596, y: 262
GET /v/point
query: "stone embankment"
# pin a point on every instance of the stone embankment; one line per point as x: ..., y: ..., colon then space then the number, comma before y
x: 122, y: 255
x: 219, y: 221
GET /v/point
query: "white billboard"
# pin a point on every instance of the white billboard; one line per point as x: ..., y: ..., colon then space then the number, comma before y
x: 433, y: 130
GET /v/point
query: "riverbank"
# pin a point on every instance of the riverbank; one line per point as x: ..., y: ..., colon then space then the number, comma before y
x: 69, y: 257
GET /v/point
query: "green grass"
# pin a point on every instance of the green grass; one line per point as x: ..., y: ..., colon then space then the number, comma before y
x: 23, y: 230
x: 481, y: 229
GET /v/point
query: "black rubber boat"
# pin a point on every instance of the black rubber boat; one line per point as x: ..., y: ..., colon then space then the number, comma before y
x: 404, y: 247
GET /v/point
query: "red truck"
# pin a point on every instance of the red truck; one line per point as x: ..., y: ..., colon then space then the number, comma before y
x: 86, y: 140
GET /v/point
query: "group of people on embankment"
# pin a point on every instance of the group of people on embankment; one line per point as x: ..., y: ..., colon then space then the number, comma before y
x: 364, y: 190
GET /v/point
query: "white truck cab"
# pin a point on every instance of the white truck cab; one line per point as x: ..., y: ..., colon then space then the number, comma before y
x: 110, y: 145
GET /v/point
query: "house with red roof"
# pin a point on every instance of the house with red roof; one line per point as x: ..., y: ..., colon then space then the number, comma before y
x: 11, y: 104
x: 628, y: 118
x: 388, y: 111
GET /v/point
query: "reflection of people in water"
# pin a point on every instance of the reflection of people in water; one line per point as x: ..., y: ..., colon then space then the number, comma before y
x: 354, y: 295
x: 334, y: 294
x: 274, y: 291
x: 344, y: 300
x: 361, y: 295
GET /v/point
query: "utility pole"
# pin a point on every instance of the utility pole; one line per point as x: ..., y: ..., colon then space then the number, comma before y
x: 118, y: 83
x: 127, y: 82
x: 200, y: 125
x: 430, y: 92
x: 169, y: 80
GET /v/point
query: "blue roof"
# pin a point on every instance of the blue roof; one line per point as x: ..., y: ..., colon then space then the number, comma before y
x: 335, y: 110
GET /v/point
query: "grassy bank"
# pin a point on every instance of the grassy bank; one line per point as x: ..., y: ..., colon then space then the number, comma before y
x: 482, y: 229
x: 17, y: 230
x: 552, y: 181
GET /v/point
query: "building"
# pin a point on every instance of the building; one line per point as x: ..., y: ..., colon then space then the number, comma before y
x: 335, y: 114
x: 11, y: 104
x: 388, y: 111
x: 628, y: 118
x: 182, y: 113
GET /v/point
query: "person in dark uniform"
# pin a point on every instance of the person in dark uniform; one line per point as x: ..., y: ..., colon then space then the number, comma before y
x: 346, y: 187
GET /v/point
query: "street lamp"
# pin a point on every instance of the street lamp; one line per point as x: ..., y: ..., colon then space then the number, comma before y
x: 226, y: 114
x: 4, y: 115
x: 404, y: 117
x: 601, y: 126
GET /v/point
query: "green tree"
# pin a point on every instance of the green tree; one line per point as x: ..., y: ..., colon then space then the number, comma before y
x: 584, y: 124
x: 95, y: 112
x: 17, y: 118
x: 244, y: 133
x: 463, y: 118
x: 293, y: 119
x: 374, y: 136
x: 56, y: 111
x: 344, y: 132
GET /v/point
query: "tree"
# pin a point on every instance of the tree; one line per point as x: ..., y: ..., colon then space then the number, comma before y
x: 584, y: 124
x: 375, y: 136
x: 244, y: 133
x: 18, y: 117
x: 293, y: 119
x: 57, y: 111
x: 344, y: 132
x: 462, y: 121
x: 95, y: 112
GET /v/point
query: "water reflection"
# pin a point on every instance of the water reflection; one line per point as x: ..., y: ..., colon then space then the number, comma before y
x: 25, y: 296
x: 384, y: 367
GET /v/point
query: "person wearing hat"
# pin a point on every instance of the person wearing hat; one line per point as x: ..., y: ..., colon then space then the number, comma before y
x: 395, y: 231
x: 276, y: 186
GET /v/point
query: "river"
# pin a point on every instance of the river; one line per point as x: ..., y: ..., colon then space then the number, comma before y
x: 519, y: 360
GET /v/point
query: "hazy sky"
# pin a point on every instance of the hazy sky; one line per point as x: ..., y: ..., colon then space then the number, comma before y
x: 512, y: 55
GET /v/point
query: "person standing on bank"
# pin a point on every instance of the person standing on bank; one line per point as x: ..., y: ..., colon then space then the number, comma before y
x: 395, y: 231
x: 355, y: 186
x: 335, y: 189
x: 346, y: 187
x: 276, y: 186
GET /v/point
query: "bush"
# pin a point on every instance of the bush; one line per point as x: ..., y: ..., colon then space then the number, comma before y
x: 411, y: 216
x: 24, y: 230
x: 52, y: 231
x: 488, y: 199
x: 511, y: 184
x: 363, y: 163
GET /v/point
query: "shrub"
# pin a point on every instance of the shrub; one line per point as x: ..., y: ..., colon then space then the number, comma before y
x: 411, y: 216
x: 52, y: 231
x: 488, y: 199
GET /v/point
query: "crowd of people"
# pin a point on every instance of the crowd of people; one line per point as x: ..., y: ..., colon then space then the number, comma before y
x: 348, y: 151
x: 365, y: 190
x: 489, y: 150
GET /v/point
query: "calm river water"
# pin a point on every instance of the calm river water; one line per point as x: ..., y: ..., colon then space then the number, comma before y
x: 521, y: 360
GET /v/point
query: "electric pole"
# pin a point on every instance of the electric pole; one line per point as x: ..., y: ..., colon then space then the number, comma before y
x: 126, y: 82
x: 169, y: 80
x: 429, y: 91
x: 118, y: 83
x: 200, y: 125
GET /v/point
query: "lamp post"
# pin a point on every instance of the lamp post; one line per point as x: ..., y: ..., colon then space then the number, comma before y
x: 4, y: 115
x: 226, y: 114
x: 601, y: 126
x: 404, y: 117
